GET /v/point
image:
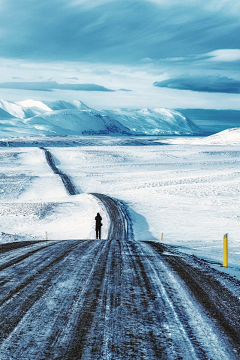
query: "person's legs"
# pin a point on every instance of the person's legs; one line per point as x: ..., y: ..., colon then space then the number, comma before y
x: 100, y: 233
x: 96, y: 233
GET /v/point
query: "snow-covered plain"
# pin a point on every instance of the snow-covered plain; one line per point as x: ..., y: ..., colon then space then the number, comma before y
x: 184, y: 188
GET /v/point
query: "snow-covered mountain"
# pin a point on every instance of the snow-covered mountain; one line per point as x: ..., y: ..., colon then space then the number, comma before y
x: 31, y: 117
x: 158, y: 121
x: 75, y: 122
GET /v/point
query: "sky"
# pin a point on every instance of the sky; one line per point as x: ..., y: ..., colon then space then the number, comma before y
x: 118, y: 53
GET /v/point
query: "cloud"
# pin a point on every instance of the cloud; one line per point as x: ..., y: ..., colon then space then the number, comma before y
x: 52, y: 85
x: 115, y: 31
x: 72, y: 78
x: 224, y: 55
x: 218, y: 84
x: 231, y: 7
x: 89, y: 4
x: 124, y: 90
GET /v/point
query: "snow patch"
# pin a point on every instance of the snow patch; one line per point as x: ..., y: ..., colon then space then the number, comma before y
x: 34, y: 104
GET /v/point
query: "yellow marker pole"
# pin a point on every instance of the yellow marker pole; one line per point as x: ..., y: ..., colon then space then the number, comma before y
x: 46, y: 236
x: 161, y: 236
x: 225, y: 250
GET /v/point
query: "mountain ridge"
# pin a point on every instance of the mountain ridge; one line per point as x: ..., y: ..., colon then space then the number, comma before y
x: 33, y: 117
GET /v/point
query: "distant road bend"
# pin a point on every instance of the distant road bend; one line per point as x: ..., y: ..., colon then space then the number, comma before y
x: 116, y: 299
x: 69, y: 186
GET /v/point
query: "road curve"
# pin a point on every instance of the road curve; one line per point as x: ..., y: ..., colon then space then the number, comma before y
x: 68, y: 184
x: 120, y: 223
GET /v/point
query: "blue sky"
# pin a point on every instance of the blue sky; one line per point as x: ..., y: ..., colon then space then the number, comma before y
x: 166, y: 53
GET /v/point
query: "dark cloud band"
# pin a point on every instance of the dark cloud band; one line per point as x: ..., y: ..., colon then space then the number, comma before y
x: 218, y: 84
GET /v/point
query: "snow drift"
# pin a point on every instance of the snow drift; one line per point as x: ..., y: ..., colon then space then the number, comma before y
x: 31, y: 117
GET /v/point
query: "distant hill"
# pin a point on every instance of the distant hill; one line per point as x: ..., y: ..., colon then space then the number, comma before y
x: 33, y: 118
x: 226, y: 137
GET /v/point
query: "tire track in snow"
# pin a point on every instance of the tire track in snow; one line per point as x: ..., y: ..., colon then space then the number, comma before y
x: 115, y: 299
x: 10, y: 258
x: 192, y: 332
x: 206, y: 285
x: 65, y: 307
x: 32, y: 277
x: 16, y: 245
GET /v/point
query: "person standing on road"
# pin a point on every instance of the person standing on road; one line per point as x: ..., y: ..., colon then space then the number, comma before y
x: 98, y: 226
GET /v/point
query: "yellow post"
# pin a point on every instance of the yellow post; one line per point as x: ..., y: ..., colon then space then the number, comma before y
x: 46, y: 236
x: 225, y: 250
x: 161, y: 236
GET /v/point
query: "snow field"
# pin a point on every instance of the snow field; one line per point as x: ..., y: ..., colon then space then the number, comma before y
x: 33, y: 201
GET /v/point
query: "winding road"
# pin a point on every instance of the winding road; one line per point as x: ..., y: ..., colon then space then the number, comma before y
x: 68, y: 184
x: 114, y: 299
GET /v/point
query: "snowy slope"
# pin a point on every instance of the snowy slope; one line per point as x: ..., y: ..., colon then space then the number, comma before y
x: 31, y: 117
x: 155, y: 121
x: 38, y: 106
x: 5, y: 115
x: 75, y: 122
x: 23, y: 109
x: 226, y: 137
x: 12, y: 109
x: 66, y: 105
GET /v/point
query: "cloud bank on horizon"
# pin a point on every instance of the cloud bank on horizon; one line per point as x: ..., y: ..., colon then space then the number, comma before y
x: 139, y: 45
x: 209, y: 83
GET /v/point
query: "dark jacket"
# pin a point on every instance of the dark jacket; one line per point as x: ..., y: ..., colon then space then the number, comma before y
x: 98, y: 219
